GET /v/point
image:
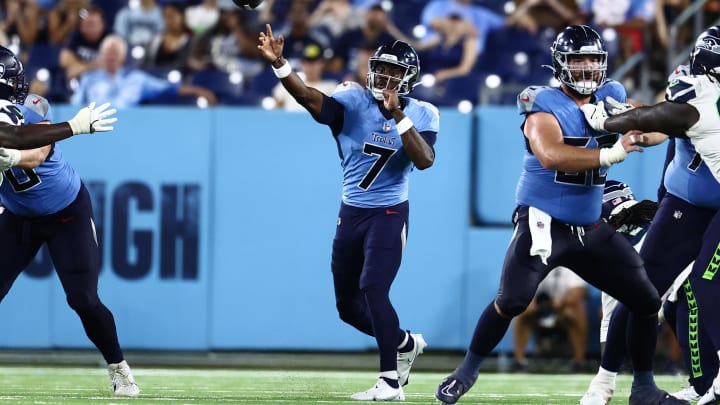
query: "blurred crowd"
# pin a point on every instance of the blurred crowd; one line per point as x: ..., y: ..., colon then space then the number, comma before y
x: 203, y: 52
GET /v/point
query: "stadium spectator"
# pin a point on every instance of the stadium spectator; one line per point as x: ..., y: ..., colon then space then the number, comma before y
x: 139, y: 23
x: 453, y: 52
x: 170, y: 48
x: 200, y: 17
x: 228, y: 46
x: 377, y: 28
x: 312, y: 66
x: 559, y: 303
x: 534, y: 15
x: 372, y: 222
x: 81, y: 52
x: 299, y: 33
x: 64, y: 19
x: 359, y: 72
x: 23, y: 24
x: 483, y: 19
x: 336, y: 16
x: 126, y: 87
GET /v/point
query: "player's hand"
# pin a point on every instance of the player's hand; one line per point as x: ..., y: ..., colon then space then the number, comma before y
x: 9, y: 158
x: 595, y: 115
x: 93, y: 119
x: 270, y: 47
x: 615, y: 107
x: 391, y: 100
x: 634, y: 140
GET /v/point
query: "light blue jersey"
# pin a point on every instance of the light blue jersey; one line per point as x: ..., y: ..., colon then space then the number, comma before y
x: 572, y: 198
x: 375, y: 166
x: 44, y: 190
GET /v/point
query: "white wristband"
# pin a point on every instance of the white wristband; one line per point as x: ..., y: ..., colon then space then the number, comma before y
x: 283, y: 71
x: 404, y: 125
x: 610, y: 156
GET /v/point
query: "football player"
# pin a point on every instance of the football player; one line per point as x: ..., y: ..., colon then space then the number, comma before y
x: 557, y: 220
x: 45, y: 201
x: 381, y: 134
x: 689, y: 112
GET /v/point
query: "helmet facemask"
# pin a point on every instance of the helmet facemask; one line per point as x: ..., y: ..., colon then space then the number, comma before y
x: 379, y: 81
x: 584, y: 78
x: 14, y: 89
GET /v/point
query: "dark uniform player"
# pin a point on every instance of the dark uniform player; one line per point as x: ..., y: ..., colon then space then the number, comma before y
x: 557, y: 221
x: 45, y: 202
x: 14, y: 88
x: 380, y: 137
x: 689, y: 112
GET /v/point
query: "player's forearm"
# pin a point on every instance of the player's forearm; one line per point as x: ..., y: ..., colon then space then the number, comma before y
x: 33, y: 136
x: 305, y: 95
x: 415, y: 146
x: 668, y: 118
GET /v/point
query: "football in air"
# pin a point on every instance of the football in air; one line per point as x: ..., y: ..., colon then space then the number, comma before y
x: 248, y: 4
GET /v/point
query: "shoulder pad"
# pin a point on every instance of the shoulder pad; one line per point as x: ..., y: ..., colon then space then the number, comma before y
x: 533, y: 99
x: 680, y: 71
x: 429, y: 119
x: 681, y: 90
x: 345, y: 86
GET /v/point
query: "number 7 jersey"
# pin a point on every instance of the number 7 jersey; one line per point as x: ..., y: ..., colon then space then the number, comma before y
x: 375, y: 166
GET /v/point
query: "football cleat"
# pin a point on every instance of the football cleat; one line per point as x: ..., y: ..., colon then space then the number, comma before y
x: 653, y: 396
x: 595, y: 398
x: 382, y: 391
x: 405, y: 360
x: 688, y: 393
x: 452, y: 388
x: 711, y: 397
x: 122, y: 380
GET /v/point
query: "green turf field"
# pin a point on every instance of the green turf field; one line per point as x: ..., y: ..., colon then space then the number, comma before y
x: 85, y: 385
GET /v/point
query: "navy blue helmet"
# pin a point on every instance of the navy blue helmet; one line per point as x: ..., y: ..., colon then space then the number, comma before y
x: 577, y: 40
x: 398, y: 53
x: 705, y: 56
x: 13, y: 86
x: 617, y: 196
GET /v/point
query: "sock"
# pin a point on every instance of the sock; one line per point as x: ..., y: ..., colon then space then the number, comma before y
x: 407, y: 344
x: 391, y: 378
x: 470, y: 366
x: 643, y: 379
x: 604, y: 378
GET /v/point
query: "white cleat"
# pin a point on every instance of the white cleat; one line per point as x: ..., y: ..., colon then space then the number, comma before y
x: 405, y: 360
x: 380, y: 392
x: 122, y: 380
x: 688, y: 394
x: 711, y: 397
x: 596, y: 397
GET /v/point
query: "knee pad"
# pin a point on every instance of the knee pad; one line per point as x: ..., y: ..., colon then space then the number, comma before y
x: 510, y: 309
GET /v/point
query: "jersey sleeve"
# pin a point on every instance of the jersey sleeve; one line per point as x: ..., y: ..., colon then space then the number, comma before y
x: 348, y: 94
x: 613, y: 89
x: 681, y: 90
x: 10, y: 113
x: 428, y: 119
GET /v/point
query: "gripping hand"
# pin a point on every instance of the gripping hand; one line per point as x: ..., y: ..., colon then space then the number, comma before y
x: 8, y: 158
x: 93, y: 119
x: 595, y: 115
x: 615, y: 107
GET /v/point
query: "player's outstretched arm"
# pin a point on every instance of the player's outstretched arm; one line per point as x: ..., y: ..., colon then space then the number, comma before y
x: 88, y: 120
x: 271, y: 49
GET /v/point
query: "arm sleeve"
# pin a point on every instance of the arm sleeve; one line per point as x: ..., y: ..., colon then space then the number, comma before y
x: 331, y: 114
x: 672, y: 119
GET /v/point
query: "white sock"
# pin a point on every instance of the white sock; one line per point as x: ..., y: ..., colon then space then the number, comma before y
x: 404, y: 342
x: 392, y: 375
x: 604, y: 378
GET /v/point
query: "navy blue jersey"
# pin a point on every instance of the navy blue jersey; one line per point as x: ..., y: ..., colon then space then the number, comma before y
x: 375, y: 166
x: 572, y: 198
x: 44, y: 190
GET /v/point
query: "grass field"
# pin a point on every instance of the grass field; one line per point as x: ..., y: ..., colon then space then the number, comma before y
x: 87, y: 385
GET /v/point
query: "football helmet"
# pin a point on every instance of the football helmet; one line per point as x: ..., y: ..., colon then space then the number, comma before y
x: 577, y: 40
x: 617, y: 196
x: 398, y: 53
x: 13, y: 86
x: 705, y: 56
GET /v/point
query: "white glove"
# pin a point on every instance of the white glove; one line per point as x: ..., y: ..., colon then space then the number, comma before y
x: 91, y: 119
x: 9, y: 158
x: 595, y: 115
x: 615, y: 107
x: 615, y: 154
